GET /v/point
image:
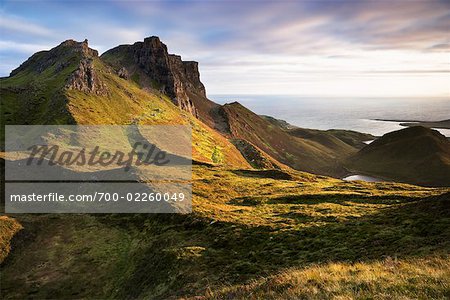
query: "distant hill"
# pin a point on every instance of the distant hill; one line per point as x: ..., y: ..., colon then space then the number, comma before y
x: 335, y: 138
x: 353, y: 138
x: 415, y: 154
x: 342, y: 143
x: 444, y: 124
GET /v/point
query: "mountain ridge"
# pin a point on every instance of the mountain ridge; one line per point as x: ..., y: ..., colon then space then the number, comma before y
x: 143, y: 83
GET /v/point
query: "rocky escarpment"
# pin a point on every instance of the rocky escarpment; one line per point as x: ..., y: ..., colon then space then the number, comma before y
x: 72, y: 57
x: 192, y: 74
x: 85, y: 78
x: 163, y: 71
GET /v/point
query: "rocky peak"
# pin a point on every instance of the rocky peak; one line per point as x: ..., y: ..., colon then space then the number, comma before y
x: 85, y: 77
x: 154, y: 42
x: 81, y: 47
x: 60, y: 56
x: 174, y: 77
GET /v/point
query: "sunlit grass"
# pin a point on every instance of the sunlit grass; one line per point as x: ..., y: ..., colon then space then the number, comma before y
x: 262, y: 234
x: 8, y: 228
x: 389, y: 278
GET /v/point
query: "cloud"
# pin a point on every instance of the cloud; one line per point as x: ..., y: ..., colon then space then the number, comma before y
x: 299, y: 28
x: 105, y: 36
x: 253, y: 45
x: 440, y: 48
x: 26, y: 48
x: 17, y: 25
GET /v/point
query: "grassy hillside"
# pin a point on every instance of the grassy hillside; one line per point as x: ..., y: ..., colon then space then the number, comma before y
x: 324, y: 138
x: 351, y: 138
x: 316, y: 156
x: 390, y: 278
x: 261, y: 234
x: 33, y: 95
x: 8, y: 228
x: 415, y: 154
x: 280, y: 123
x: 37, y: 93
x: 127, y: 103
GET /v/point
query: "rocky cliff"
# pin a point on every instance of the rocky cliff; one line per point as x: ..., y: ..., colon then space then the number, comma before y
x: 85, y: 77
x: 163, y: 71
x: 70, y: 55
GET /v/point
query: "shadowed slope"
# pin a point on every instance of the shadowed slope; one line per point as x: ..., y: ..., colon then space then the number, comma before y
x: 298, y: 153
x: 415, y: 154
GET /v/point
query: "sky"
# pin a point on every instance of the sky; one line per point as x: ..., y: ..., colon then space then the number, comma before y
x: 351, y: 48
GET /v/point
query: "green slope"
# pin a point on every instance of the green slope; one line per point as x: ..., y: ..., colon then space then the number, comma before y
x: 33, y: 94
x: 415, y: 154
x: 250, y: 232
x: 316, y: 156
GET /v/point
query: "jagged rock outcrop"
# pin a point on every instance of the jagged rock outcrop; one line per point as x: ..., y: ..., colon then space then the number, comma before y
x: 192, y: 81
x: 123, y: 73
x: 61, y: 57
x: 85, y: 78
x: 69, y: 53
x: 166, y: 72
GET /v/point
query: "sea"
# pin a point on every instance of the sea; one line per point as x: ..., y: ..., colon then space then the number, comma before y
x: 357, y: 114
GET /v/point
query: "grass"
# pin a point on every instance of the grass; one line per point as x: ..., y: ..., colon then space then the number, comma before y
x: 8, y: 228
x: 61, y: 251
x: 268, y: 234
x: 36, y: 97
x: 388, y: 278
